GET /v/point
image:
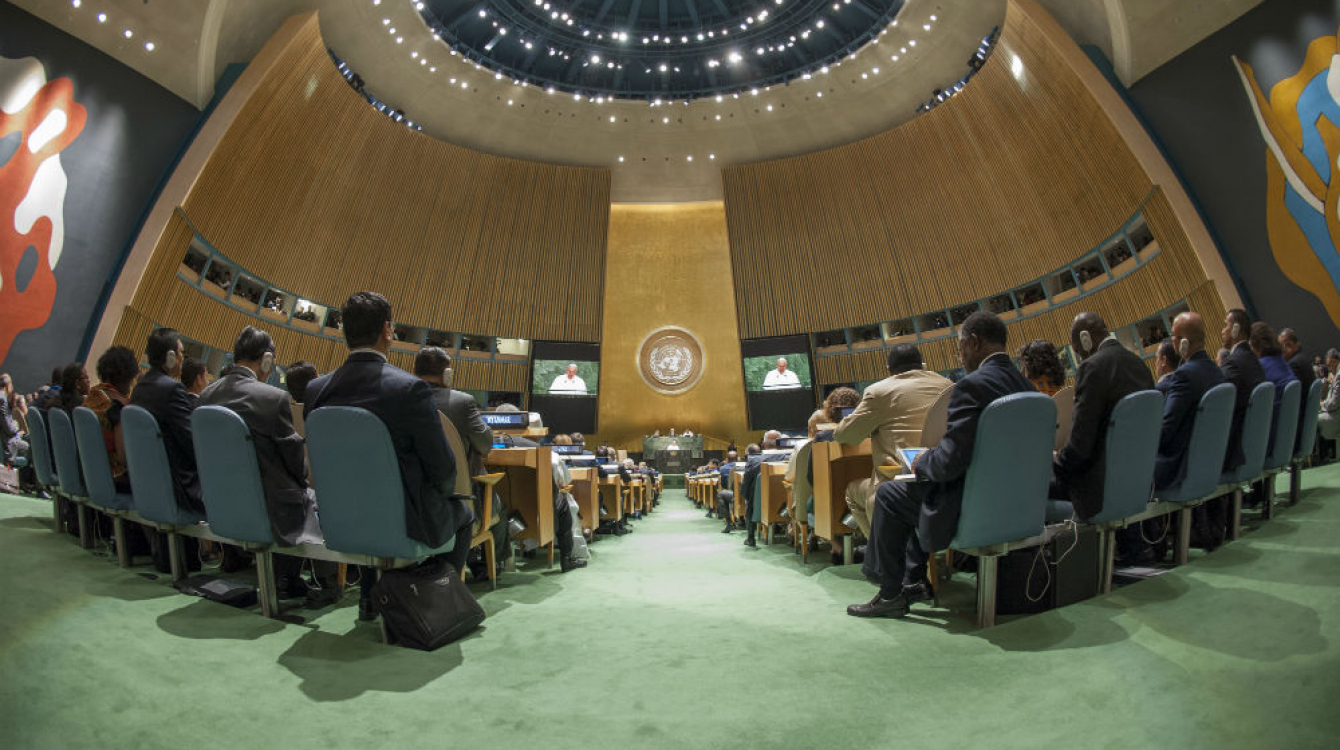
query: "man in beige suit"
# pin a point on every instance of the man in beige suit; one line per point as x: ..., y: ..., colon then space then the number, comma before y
x: 891, y: 413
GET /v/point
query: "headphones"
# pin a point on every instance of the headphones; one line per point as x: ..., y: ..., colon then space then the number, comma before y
x: 1237, y: 331
x: 1085, y: 342
x: 1184, y: 348
x: 170, y: 361
x: 446, y: 378
x: 267, y: 365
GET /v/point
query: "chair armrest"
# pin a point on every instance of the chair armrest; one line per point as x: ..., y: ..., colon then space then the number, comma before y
x: 489, y: 479
x: 889, y: 471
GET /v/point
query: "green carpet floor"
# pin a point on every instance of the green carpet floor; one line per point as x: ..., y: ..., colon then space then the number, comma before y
x: 679, y: 637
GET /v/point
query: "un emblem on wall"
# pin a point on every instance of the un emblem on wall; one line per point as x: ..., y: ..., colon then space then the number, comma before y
x: 670, y: 360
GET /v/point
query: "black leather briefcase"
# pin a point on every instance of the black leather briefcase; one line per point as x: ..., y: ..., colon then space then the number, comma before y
x: 427, y: 606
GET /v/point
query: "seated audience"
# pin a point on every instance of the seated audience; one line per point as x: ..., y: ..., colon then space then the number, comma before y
x: 912, y: 519
x: 725, y: 495
x: 1107, y: 373
x: 289, y: 503
x: 194, y: 377
x: 117, y: 369
x: 1182, y: 391
x: 892, y: 413
x: 1265, y: 345
x: 296, y: 378
x: 753, y: 467
x: 1166, y: 360
x: 13, y: 443
x: 1328, y: 421
x: 1040, y: 363
x: 1292, y: 350
x: 433, y: 513
x: 1243, y: 370
x: 160, y: 393
x: 49, y: 393
x: 74, y: 386
x: 433, y: 366
x: 565, y: 509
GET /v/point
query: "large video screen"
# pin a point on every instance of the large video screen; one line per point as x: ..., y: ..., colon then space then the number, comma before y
x: 778, y: 382
x: 565, y: 378
x: 777, y: 373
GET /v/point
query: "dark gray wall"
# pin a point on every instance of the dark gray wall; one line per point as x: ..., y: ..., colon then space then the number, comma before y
x: 134, y: 130
x: 1199, y: 110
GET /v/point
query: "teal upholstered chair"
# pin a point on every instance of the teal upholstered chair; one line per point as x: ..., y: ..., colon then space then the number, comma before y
x: 97, y: 469
x: 1279, y: 453
x: 68, y: 475
x: 1307, y: 436
x: 151, y: 482
x: 1204, y: 461
x: 1131, y: 446
x: 44, y: 464
x: 1255, y: 437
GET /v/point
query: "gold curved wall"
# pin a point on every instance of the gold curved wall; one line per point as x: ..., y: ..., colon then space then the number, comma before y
x: 1022, y: 172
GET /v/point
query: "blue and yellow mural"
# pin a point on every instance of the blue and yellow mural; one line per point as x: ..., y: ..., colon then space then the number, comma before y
x: 1300, y: 122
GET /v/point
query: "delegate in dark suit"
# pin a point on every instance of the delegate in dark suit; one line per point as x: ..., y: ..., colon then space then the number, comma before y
x: 463, y: 411
x: 1109, y: 375
x: 405, y: 405
x: 1182, y: 390
x: 1243, y: 370
x: 279, y: 449
x: 1302, y: 369
x: 930, y: 506
x: 169, y: 402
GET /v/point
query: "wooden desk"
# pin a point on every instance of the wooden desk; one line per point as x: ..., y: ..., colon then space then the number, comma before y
x: 530, y: 490
x: 835, y: 466
x: 611, y: 492
x: 737, y: 504
x: 587, y: 496
x: 773, y: 495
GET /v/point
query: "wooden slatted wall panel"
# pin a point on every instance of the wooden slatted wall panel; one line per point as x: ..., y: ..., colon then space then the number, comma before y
x: 318, y: 193
x: 1162, y: 282
x: 1010, y: 179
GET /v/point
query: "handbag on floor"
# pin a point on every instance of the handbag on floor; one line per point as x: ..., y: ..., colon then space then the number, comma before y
x: 427, y: 606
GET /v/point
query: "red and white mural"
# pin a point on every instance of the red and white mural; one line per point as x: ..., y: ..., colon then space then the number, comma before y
x: 39, y: 119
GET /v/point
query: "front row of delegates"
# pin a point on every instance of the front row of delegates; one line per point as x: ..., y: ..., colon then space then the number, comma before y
x: 910, y: 520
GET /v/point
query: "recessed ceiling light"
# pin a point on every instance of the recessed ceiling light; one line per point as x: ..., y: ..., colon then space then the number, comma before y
x: 102, y: 18
x: 620, y: 159
x: 128, y: 33
x: 149, y: 46
x: 713, y: 156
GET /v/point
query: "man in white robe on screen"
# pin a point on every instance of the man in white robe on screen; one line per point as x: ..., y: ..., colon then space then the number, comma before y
x: 569, y: 382
x: 781, y: 377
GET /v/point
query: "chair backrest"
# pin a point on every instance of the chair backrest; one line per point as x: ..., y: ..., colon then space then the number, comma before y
x: 298, y: 423
x: 1307, y: 436
x: 1255, y: 433
x: 1209, y: 439
x: 1132, y: 446
x: 457, y: 451
x: 1280, y: 451
x: 93, y: 459
x: 937, y: 420
x: 1005, y: 490
x: 798, y: 472
x: 150, y: 472
x: 39, y: 442
x: 359, y: 492
x: 1065, y: 415
x: 230, y: 475
x: 67, y: 455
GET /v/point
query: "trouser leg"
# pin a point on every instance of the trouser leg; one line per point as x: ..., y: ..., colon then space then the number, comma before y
x: 461, y: 549
x: 563, y: 525
x: 286, y: 567
x: 858, y: 497
x: 894, y: 537
x: 724, y: 499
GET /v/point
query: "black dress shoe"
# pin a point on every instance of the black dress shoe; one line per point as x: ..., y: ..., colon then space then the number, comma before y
x: 293, y: 588
x: 571, y: 563
x: 749, y: 542
x: 918, y: 592
x: 728, y: 528
x: 895, y: 608
x: 620, y: 531
x: 324, y: 596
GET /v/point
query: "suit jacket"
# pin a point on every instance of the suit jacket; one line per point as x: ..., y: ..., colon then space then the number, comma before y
x: 1111, y: 374
x: 1277, y: 371
x: 1182, y: 390
x: 405, y: 404
x: 168, y: 401
x: 1243, y: 370
x: 892, y: 413
x: 279, y: 449
x: 753, y: 463
x: 463, y: 411
x: 945, y: 466
x: 1301, y: 365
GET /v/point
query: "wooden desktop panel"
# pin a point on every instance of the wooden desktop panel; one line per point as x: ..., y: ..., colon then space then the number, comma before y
x: 835, y: 466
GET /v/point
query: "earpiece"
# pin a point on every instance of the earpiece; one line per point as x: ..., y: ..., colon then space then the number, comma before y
x: 1237, y: 330
x: 1184, y: 348
x: 1085, y: 341
x: 267, y: 364
x: 446, y: 378
x: 170, y: 361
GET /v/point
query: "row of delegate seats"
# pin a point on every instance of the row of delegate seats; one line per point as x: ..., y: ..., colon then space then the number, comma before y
x: 1006, y: 486
x: 354, y: 470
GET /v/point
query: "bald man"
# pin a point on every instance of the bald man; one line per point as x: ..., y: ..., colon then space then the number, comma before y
x: 1182, y: 390
x: 780, y: 377
x: 1108, y: 372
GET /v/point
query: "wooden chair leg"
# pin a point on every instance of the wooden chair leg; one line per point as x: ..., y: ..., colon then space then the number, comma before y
x: 119, y: 534
x: 551, y: 554
x: 341, y: 574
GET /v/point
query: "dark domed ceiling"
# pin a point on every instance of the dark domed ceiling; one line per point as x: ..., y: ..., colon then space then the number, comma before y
x: 650, y: 49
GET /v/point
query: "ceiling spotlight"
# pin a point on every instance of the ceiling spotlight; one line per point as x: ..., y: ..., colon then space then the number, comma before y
x: 76, y: 3
x: 769, y: 107
x: 911, y: 42
x: 933, y: 18
x: 595, y: 59
x: 465, y: 85
x: 391, y: 30
x: 148, y: 46
x: 128, y: 33
x: 611, y: 118
x: 386, y: 22
x: 690, y: 158
x: 577, y: 97
x: 819, y: 24
x: 734, y: 57
x: 102, y: 18
x: 713, y: 156
x: 665, y: 120
x: 662, y: 67
x: 509, y: 102
x: 718, y: 117
x: 926, y: 26
x: 620, y: 159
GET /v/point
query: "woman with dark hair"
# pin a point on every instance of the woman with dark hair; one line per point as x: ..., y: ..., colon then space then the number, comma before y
x: 1042, y: 366
x: 117, y: 370
x: 1166, y: 360
x: 74, y: 386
